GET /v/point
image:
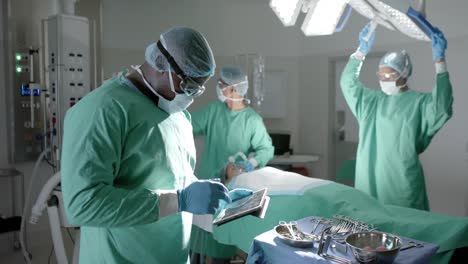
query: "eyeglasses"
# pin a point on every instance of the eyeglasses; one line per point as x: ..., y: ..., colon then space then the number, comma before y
x: 188, y: 85
x: 388, y: 76
x: 222, y: 85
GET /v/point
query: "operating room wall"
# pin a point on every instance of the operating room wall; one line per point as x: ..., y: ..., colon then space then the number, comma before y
x: 245, y: 26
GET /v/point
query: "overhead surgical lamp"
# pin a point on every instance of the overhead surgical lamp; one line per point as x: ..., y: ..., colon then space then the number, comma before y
x: 323, y: 16
x: 287, y: 10
x: 397, y: 15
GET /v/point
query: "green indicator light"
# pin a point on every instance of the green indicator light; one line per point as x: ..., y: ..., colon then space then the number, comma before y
x: 18, y: 57
x: 19, y: 69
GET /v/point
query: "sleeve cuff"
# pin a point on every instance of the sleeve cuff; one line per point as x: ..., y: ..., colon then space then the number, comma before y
x: 168, y: 202
x: 358, y: 55
x: 253, y: 162
x: 441, y: 67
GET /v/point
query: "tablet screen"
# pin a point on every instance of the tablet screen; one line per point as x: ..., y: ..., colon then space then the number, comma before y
x: 241, y: 207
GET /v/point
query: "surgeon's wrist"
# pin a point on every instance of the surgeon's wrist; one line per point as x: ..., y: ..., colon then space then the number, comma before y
x: 358, y: 54
x: 253, y: 162
x: 168, y: 202
x: 441, y: 66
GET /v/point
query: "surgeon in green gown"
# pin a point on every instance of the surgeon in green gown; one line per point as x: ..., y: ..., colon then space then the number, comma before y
x: 128, y: 157
x: 229, y: 126
x: 396, y: 124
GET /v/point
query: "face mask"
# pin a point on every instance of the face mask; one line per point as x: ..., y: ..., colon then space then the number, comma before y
x: 390, y: 87
x: 178, y: 104
x: 222, y: 97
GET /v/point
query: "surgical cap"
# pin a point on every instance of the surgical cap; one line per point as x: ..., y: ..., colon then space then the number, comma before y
x: 235, y: 77
x: 188, y: 47
x: 399, y: 61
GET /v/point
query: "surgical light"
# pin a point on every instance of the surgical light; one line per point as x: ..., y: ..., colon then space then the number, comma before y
x: 323, y: 17
x: 392, y: 14
x: 365, y: 9
x: 399, y: 18
x: 287, y: 10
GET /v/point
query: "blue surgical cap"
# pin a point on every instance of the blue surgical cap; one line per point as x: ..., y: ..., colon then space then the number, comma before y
x: 188, y: 47
x: 235, y: 77
x: 399, y: 61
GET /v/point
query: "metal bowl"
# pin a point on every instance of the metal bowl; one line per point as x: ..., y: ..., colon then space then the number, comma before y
x: 306, y: 241
x: 374, y: 247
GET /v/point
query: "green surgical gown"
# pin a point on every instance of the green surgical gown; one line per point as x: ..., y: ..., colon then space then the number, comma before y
x: 226, y: 133
x: 118, y: 148
x: 393, y: 131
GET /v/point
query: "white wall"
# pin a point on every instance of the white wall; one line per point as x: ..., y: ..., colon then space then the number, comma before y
x: 314, y: 109
x: 234, y: 27
x: 250, y: 22
x: 224, y: 23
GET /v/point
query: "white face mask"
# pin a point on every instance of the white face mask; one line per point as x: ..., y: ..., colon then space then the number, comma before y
x: 222, y: 97
x: 390, y: 87
x: 178, y: 104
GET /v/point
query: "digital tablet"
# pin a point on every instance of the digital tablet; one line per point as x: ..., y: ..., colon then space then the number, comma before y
x: 255, y: 204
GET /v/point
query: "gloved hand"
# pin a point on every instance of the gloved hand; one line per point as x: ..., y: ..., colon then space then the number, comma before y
x: 202, y: 197
x: 247, y: 165
x: 365, y: 45
x: 439, y: 44
x: 235, y: 195
x: 239, y: 193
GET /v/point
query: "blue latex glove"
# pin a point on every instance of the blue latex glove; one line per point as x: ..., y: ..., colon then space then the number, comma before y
x: 247, y: 165
x: 239, y: 193
x: 235, y: 195
x: 203, y: 197
x: 365, y: 45
x: 439, y: 44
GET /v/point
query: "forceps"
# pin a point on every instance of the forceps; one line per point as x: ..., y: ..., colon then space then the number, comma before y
x: 412, y: 244
x: 290, y: 226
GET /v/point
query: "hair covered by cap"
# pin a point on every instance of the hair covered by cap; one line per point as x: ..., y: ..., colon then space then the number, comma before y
x: 399, y: 61
x: 188, y: 47
x: 235, y: 77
